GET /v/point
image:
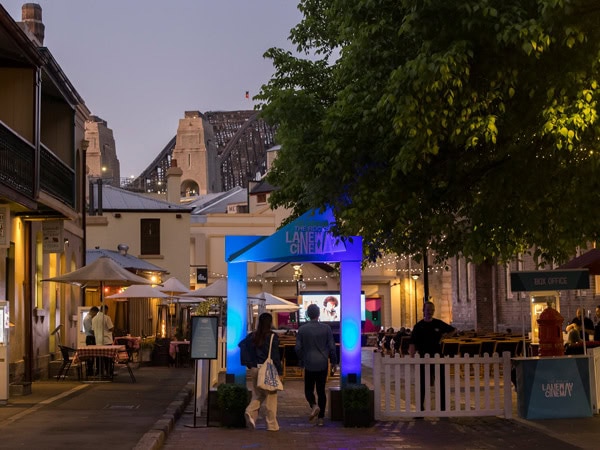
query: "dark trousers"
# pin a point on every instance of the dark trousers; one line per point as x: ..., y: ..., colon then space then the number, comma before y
x: 316, y: 379
x: 89, y: 364
x: 442, y: 392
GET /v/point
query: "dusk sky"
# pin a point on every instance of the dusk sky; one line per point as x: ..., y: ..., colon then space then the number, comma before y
x: 140, y: 64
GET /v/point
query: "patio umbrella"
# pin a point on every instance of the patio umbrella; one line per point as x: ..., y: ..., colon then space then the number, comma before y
x: 139, y: 291
x: 272, y: 302
x: 100, y: 273
x: 174, y: 287
x: 216, y: 289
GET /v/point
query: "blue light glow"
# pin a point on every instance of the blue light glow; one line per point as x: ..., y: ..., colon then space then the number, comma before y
x: 307, y: 239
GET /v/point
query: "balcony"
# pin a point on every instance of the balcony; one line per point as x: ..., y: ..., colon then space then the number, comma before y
x: 56, y: 178
x: 17, y: 169
x: 17, y: 163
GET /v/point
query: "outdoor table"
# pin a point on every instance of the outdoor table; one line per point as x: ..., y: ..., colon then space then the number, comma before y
x: 174, y: 348
x: 98, y: 351
x: 133, y: 342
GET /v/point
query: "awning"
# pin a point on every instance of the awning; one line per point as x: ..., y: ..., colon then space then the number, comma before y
x: 589, y: 260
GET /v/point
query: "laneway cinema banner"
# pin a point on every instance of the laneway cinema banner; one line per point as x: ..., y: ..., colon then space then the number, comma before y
x: 553, y: 388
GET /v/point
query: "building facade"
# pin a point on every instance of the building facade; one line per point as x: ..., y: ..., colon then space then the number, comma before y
x: 42, y: 160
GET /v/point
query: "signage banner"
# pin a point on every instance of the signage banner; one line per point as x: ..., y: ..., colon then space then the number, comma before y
x: 550, y: 280
x: 201, y: 275
x: 4, y: 226
x: 204, y: 342
x: 52, y: 231
x: 553, y: 388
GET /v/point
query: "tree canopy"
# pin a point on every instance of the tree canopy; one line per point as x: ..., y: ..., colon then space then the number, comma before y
x: 466, y: 127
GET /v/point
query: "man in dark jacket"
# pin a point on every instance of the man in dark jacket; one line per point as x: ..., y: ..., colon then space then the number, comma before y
x: 315, y: 347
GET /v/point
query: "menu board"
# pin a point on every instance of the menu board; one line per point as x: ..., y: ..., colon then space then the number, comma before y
x: 204, y: 337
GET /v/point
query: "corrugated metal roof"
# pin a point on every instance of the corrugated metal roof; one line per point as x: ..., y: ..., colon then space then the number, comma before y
x: 217, y: 203
x: 116, y: 199
x: 125, y: 260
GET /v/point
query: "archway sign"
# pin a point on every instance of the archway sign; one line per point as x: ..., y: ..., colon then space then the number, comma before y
x: 307, y: 239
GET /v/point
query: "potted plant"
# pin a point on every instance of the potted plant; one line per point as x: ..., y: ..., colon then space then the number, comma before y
x: 358, y: 404
x: 232, y: 400
x: 146, y: 348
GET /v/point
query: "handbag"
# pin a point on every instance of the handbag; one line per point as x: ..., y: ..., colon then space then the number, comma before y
x: 268, y: 378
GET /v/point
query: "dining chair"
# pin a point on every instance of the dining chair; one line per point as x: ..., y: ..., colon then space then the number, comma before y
x: 68, y: 354
x: 183, y: 355
x: 450, y: 347
x: 128, y: 346
x: 122, y: 360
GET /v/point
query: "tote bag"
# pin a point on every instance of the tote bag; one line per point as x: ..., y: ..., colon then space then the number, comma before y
x: 268, y: 378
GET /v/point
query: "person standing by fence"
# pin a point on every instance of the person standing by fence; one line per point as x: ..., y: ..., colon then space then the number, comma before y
x: 426, y: 338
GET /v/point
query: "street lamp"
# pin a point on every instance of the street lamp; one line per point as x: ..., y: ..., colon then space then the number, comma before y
x: 416, y: 277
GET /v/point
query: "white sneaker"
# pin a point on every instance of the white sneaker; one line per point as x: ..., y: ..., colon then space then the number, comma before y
x: 320, y: 422
x: 249, y: 421
x: 314, y: 413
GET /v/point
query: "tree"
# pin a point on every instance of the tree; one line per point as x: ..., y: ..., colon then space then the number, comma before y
x: 466, y: 127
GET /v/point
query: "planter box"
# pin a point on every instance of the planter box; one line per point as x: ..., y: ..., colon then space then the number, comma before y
x: 230, y: 419
x: 362, y: 410
x: 19, y: 389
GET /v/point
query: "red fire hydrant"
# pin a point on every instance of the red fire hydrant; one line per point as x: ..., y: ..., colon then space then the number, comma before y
x: 550, y: 327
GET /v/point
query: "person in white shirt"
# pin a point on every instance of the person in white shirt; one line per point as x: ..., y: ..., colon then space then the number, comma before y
x: 103, y: 328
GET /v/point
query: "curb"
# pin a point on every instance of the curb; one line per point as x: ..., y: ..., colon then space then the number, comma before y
x: 157, y: 435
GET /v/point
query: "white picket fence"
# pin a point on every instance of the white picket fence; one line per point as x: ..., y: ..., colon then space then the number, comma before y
x: 474, y: 386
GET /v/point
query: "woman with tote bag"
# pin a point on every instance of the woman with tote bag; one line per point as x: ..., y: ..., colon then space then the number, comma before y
x: 254, y: 350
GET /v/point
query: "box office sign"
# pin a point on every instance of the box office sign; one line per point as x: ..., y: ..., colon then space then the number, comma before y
x: 52, y: 240
x: 550, y: 280
x: 4, y: 227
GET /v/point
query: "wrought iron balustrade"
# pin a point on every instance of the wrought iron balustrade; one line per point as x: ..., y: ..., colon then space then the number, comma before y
x: 17, y: 162
x: 56, y: 178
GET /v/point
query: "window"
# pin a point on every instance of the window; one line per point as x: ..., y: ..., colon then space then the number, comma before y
x: 261, y: 198
x: 150, y: 236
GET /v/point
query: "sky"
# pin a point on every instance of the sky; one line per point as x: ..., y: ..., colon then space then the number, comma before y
x: 140, y: 64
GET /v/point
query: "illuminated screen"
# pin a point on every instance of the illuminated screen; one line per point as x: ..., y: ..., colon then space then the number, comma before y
x: 329, y: 303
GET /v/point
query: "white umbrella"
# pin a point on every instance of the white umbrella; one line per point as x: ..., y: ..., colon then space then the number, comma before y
x: 139, y: 291
x: 272, y: 302
x: 102, y: 272
x: 216, y: 289
x: 190, y: 299
x: 174, y: 287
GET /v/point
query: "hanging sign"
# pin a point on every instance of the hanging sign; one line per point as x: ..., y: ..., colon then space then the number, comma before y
x: 4, y: 226
x: 52, y: 240
x: 550, y: 280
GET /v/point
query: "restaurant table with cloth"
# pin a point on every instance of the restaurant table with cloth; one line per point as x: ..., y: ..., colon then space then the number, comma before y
x: 133, y: 342
x: 179, y: 351
x: 110, y: 352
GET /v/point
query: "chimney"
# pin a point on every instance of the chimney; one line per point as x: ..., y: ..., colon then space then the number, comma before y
x: 31, y: 16
x: 174, y: 174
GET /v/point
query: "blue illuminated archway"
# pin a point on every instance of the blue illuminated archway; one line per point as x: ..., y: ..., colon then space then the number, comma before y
x: 307, y: 239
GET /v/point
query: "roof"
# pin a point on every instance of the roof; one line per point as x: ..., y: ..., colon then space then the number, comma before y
x: 589, y: 260
x: 262, y: 186
x: 125, y: 260
x: 217, y: 203
x: 116, y: 199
